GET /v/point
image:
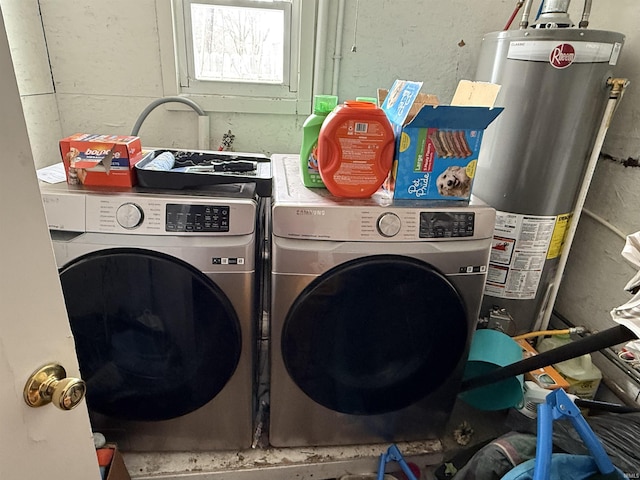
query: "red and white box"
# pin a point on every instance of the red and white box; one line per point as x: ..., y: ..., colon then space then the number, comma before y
x: 105, y: 160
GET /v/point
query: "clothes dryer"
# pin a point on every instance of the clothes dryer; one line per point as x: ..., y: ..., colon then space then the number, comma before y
x: 373, y: 306
x: 160, y: 288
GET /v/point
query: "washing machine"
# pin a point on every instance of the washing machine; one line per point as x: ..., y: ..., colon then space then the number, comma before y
x: 373, y: 307
x: 161, y: 292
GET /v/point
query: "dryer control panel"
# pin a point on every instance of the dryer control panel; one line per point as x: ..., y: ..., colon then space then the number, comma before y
x: 382, y: 224
x: 446, y: 224
x: 299, y: 212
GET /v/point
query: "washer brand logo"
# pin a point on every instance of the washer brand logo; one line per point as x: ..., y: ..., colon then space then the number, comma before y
x: 310, y: 212
x: 562, y: 56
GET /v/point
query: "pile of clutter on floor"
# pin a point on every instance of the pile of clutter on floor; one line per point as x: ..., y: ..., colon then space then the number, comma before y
x: 548, y: 437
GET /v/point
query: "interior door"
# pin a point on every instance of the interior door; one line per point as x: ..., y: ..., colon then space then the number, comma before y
x: 42, y: 442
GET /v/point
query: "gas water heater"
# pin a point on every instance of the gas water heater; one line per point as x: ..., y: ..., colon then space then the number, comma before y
x: 532, y: 164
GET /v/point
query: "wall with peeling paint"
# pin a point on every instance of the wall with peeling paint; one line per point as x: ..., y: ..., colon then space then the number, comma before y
x: 105, y: 65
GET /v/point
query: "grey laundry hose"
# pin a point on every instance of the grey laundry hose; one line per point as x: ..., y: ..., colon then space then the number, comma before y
x: 203, y: 124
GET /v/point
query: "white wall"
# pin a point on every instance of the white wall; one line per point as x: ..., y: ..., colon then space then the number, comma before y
x: 105, y: 65
x: 31, y: 64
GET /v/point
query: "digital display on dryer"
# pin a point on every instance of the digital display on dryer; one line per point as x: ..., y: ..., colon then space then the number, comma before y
x: 446, y: 224
x: 196, y: 218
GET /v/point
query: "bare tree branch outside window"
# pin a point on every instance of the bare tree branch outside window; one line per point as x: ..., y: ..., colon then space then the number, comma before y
x: 238, y: 43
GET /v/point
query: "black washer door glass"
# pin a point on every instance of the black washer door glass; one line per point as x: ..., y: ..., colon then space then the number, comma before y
x: 155, y: 338
x: 374, y: 335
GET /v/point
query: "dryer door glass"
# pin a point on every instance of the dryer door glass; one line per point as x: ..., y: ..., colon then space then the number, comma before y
x: 155, y: 337
x: 375, y: 335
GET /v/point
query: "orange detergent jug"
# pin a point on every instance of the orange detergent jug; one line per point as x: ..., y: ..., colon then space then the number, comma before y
x: 355, y: 149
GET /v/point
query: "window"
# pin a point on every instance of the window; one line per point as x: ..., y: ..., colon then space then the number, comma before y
x: 240, y: 55
x: 238, y: 44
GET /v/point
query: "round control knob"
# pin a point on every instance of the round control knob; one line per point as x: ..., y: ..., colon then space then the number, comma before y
x: 389, y: 224
x: 129, y: 215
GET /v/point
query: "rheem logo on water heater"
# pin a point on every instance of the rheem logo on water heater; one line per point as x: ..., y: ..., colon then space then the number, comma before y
x: 562, y: 56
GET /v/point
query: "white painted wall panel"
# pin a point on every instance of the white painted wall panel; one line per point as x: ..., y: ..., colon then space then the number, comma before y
x: 596, y: 273
x: 623, y: 16
x: 594, y: 278
x: 614, y: 194
x: 176, y: 128
x: 27, y: 44
x: 103, y: 48
x: 43, y: 125
x: 430, y: 41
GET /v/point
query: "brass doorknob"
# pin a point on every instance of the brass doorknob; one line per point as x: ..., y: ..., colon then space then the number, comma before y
x: 49, y: 384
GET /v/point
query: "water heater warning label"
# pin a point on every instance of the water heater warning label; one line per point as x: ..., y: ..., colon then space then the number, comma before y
x: 518, y: 252
x: 559, y: 235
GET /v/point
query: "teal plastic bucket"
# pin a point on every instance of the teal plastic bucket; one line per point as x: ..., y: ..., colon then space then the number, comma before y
x: 491, y: 349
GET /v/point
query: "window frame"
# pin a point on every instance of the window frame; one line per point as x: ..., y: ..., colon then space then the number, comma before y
x: 289, y: 82
x: 239, y: 97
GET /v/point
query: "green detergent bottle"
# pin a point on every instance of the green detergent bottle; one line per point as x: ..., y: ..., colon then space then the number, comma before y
x: 322, y: 106
x: 367, y: 99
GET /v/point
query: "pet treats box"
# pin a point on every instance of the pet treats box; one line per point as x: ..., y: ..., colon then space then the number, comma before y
x: 437, y: 146
x: 106, y: 160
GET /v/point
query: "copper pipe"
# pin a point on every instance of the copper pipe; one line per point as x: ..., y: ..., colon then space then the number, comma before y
x: 513, y: 14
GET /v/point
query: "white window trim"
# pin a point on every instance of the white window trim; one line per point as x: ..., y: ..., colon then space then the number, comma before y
x: 299, y: 104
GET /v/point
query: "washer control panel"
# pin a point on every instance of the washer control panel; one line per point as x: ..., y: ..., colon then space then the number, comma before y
x: 149, y: 214
x: 197, y: 218
x: 446, y: 224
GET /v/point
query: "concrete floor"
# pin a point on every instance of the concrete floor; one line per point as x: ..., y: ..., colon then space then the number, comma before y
x: 318, y: 463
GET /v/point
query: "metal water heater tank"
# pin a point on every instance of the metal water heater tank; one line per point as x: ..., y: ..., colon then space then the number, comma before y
x: 534, y: 156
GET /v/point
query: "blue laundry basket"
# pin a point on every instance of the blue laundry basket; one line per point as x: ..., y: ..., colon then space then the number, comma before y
x: 549, y: 466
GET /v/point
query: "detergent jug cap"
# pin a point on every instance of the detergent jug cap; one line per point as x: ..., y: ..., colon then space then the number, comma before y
x: 367, y: 99
x: 324, y: 103
x: 360, y: 104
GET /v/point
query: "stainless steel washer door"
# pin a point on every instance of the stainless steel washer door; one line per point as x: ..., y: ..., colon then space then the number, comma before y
x: 156, y: 338
x: 374, y: 335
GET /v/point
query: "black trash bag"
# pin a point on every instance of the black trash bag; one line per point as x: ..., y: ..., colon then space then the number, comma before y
x: 494, y: 459
x: 618, y: 433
